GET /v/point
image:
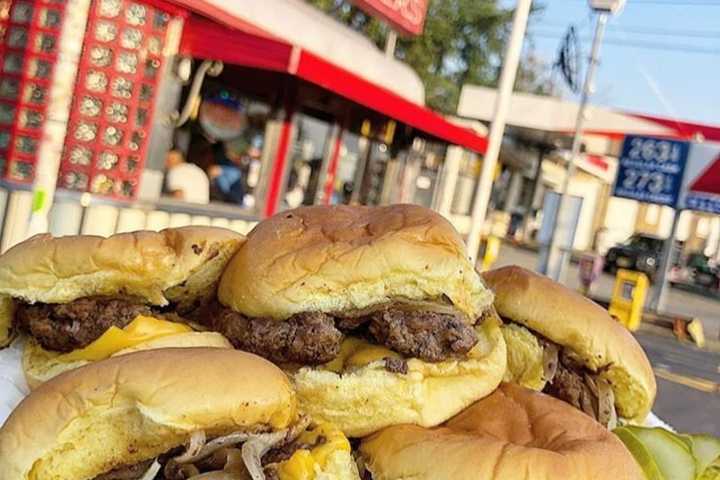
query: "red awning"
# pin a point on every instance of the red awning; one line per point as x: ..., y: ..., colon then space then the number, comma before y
x: 204, y: 38
x: 247, y: 45
x: 331, y: 77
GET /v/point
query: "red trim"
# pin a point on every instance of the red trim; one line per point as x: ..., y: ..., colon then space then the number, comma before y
x: 597, y: 160
x: 281, y: 158
x: 685, y: 129
x: 332, y: 168
x: 203, y: 38
x: 345, y: 83
x: 220, y: 15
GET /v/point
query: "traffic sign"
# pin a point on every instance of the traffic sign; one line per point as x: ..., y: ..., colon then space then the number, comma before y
x: 651, y: 170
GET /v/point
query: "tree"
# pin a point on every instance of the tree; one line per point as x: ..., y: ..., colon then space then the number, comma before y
x: 463, y: 42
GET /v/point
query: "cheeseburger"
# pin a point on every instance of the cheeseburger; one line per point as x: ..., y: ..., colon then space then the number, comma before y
x: 377, y: 313
x: 84, y: 298
x: 514, y: 433
x: 564, y: 344
x: 146, y: 416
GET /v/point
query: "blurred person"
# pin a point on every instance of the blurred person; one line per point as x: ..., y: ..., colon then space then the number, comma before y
x: 185, y: 181
x: 226, y: 176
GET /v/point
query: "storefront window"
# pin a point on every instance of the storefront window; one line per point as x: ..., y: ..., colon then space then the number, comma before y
x: 352, y: 151
x: 308, y: 158
x: 217, y: 154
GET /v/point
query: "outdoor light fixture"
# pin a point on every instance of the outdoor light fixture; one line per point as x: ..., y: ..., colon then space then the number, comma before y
x: 609, y: 6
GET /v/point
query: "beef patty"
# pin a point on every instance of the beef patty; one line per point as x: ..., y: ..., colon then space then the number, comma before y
x: 313, y: 338
x: 306, y: 338
x: 68, y: 326
x: 310, y: 338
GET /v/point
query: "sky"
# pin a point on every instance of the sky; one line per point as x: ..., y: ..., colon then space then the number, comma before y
x: 679, y: 77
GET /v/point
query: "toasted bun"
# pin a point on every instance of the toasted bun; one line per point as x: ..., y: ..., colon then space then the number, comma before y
x: 331, y: 259
x: 40, y: 365
x: 176, y: 264
x: 372, y: 398
x: 575, y: 322
x: 136, y: 406
x: 514, y: 433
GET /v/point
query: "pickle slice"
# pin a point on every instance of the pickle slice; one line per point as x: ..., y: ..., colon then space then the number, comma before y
x: 640, y: 452
x: 706, y: 450
x: 671, y: 454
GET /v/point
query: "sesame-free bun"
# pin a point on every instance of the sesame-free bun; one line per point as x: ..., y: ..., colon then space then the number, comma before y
x: 134, y: 407
x: 513, y: 434
x: 40, y: 365
x: 175, y: 264
x: 575, y: 322
x: 368, y: 399
x: 331, y: 259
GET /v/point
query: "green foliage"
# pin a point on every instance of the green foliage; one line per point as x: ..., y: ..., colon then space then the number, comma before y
x: 463, y: 42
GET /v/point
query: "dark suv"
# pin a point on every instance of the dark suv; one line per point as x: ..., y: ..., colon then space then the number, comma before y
x: 640, y: 252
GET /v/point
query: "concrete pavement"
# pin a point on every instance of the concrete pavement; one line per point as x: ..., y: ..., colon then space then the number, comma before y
x: 688, y: 377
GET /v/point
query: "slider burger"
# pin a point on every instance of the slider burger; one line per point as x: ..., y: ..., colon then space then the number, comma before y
x: 84, y: 298
x: 170, y: 414
x: 375, y: 311
x: 564, y: 344
x: 514, y: 433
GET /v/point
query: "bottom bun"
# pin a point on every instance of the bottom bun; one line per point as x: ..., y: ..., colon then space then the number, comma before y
x: 371, y: 398
x: 41, y: 365
x: 131, y: 408
x: 515, y: 433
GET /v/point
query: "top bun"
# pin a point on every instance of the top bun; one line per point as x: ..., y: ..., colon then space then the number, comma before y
x: 331, y: 259
x: 131, y: 408
x: 514, y: 433
x: 575, y: 322
x: 175, y: 264
x: 146, y: 264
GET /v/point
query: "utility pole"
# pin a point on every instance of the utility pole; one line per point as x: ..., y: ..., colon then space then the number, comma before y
x: 560, y: 253
x: 390, y: 43
x: 497, y: 129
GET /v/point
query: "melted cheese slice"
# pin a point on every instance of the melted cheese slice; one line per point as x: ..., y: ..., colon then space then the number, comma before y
x: 356, y: 353
x: 304, y: 464
x: 115, y: 339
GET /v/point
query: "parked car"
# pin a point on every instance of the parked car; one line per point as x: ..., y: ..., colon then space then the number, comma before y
x: 699, y: 271
x: 640, y: 252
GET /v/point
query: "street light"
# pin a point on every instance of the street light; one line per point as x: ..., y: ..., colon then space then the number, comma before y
x: 608, y: 6
x: 604, y: 8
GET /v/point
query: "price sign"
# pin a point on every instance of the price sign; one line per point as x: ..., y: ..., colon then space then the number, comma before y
x: 651, y: 170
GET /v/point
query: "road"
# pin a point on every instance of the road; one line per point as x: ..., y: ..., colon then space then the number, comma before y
x: 688, y: 377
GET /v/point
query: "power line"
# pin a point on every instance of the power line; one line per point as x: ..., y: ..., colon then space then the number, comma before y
x: 674, y: 3
x: 640, y: 44
x: 641, y: 30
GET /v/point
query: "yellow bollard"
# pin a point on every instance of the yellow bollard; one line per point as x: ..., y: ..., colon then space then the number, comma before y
x: 695, y: 329
x: 492, y: 250
x: 628, y: 298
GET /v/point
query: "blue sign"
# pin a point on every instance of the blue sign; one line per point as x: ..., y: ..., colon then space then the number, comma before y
x: 651, y: 170
x: 703, y: 202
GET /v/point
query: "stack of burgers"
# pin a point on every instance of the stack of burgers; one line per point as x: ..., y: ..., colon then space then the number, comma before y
x: 331, y: 343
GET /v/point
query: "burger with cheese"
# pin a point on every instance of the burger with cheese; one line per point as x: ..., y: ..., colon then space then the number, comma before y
x: 564, y: 344
x: 377, y: 313
x: 85, y: 298
x: 146, y: 416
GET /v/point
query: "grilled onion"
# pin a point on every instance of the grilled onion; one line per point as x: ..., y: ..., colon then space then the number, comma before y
x: 197, y: 442
x: 254, y: 449
x: 550, y: 361
x: 606, y: 404
x: 151, y: 471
